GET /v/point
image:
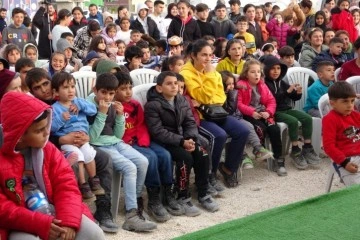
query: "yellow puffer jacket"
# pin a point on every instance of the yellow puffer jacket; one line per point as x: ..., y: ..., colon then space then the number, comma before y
x: 227, y: 64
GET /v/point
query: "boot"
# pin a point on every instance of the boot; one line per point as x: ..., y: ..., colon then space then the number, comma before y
x: 137, y: 223
x: 95, y: 186
x: 103, y: 215
x: 170, y: 203
x: 155, y: 207
x: 281, y: 171
x: 141, y: 209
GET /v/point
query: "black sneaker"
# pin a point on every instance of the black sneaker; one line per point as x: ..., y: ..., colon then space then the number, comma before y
x: 231, y: 180
x: 104, y: 217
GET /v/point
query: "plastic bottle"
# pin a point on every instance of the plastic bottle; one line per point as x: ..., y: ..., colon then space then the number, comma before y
x: 35, y: 200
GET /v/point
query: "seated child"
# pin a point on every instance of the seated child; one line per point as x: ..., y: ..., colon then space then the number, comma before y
x: 65, y: 121
x: 334, y: 54
x: 230, y: 106
x: 11, y: 53
x: 148, y: 61
x: 106, y: 131
x: 160, y: 163
x: 284, y: 95
x: 22, y: 66
x: 124, y: 33
x: 161, y: 50
x: 10, y: 82
x: 57, y: 63
x: 42, y: 169
x: 340, y: 128
x: 133, y: 56
x: 31, y: 51
x: 242, y: 26
x: 173, y: 64
x: 121, y: 48
x: 73, y: 63
x: 4, y: 64
x: 325, y: 70
x: 98, y: 45
x: 170, y: 122
x: 90, y: 58
x: 109, y: 34
x: 176, y: 46
x: 135, y: 37
x: 69, y: 37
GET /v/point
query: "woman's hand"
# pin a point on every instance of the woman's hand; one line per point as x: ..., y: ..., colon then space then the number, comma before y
x: 256, y: 115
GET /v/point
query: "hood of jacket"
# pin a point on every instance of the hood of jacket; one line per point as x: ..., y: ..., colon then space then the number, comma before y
x: 153, y: 95
x: 31, y: 45
x: 307, y: 46
x: 220, y: 21
x: 14, y: 27
x: 18, y: 111
x: 269, y: 61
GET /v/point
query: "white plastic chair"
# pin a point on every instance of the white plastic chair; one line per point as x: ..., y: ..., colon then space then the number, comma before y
x: 143, y: 75
x: 140, y: 91
x: 85, y: 81
x: 85, y: 68
x: 324, y: 105
x: 355, y: 82
x: 336, y: 73
x: 42, y: 62
x: 301, y: 76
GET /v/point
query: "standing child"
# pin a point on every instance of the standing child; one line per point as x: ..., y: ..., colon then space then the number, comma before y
x: 106, y: 131
x: 278, y: 29
x: 12, y: 53
x: 230, y: 106
x: 340, y: 129
x: 232, y: 60
x: 258, y: 105
x: 284, y: 95
x: 65, y: 122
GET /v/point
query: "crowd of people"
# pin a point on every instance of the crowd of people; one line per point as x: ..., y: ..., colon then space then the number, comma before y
x: 221, y: 75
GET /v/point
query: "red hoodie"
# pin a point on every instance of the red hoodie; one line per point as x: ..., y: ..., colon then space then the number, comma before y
x: 18, y: 111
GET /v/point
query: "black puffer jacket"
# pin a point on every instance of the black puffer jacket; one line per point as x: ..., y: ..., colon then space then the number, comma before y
x: 166, y: 125
x: 278, y: 88
x: 190, y: 31
x: 152, y: 28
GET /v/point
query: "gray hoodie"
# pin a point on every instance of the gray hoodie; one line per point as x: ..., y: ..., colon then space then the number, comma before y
x: 223, y: 27
x: 308, y: 54
x: 18, y: 36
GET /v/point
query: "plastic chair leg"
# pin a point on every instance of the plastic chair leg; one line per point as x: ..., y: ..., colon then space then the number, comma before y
x: 115, y: 193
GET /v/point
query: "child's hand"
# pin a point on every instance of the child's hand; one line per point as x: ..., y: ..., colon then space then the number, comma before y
x: 264, y: 115
x: 76, y: 67
x: 298, y: 88
x: 66, y: 116
x: 291, y: 88
x: 69, y: 234
x: 195, y: 103
x: 103, y: 106
x: 189, y: 145
x: 352, y: 167
x: 50, y: 36
x: 119, y: 108
x: 256, y: 115
x: 74, y: 109
x: 55, y: 230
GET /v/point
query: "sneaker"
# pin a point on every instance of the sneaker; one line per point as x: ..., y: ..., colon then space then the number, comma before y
x: 231, y: 180
x: 209, y: 203
x: 211, y: 190
x: 136, y: 222
x: 310, y: 156
x: 281, y: 171
x: 215, y: 183
x: 247, y: 162
x: 299, y: 160
x: 103, y: 215
x: 95, y: 186
x: 170, y: 203
x: 190, y: 209
x: 86, y: 192
x: 262, y: 154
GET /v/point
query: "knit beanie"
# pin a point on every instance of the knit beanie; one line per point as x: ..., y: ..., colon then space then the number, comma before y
x: 105, y: 66
x: 6, y: 76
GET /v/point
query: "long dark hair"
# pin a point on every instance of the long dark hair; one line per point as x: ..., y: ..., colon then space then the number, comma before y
x: 95, y: 42
x: 170, y: 6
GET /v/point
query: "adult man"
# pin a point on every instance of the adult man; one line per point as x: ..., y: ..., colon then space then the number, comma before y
x: 235, y: 10
x: 158, y: 9
x: 84, y: 36
x: 144, y: 23
x: 3, y: 23
x: 268, y: 9
x: 44, y: 19
x: 150, y: 5
x: 94, y: 14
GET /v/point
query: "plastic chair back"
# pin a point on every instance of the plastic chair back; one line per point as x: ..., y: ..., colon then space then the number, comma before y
x: 85, y: 81
x: 143, y: 75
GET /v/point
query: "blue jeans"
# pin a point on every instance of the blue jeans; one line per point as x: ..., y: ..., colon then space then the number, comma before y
x: 160, y: 165
x: 133, y: 165
x: 238, y: 132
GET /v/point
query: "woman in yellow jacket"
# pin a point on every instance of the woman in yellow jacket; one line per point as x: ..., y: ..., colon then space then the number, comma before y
x: 233, y: 58
x: 204, y: 84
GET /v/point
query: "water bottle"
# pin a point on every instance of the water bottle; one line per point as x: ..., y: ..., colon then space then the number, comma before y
x: 35, y: 200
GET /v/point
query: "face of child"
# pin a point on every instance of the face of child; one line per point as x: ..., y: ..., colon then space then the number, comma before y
x: 42, y: 90
x: 58, y: 62
x: 242, y: 27
x: 66, y: 92
x: 346, y: 41
x: 344, y: 5
x: 124, y: 93
x: 176, y: 50
x: 14, y: 86
x: 250, y: 13
x: 36, y: 135
x: 319, y: 20
x: 146, y: 55
x: 275, y: 72
x: 270, y: 51
x: 181, y: 86
x: 70, y: 39
x: 235, y: 8
x: 275, y: 44
x: 121, y: 49
x: 290, y: 22
x: 336, y: 48
x: 259, y: 14
x: 135, y: 62
x: 177, y: 67
x: 243, y: 45
x: 68, y: 53
x: 18, y: 19
x: 327, y: 74
x: 278, y: 18
x: 23, y: 71
x: 235, y: 52
x: 203, y: 15
x: 202, y: 58
x: 31, y: 54
x: 330, y: 5
x: 356, y: 17
x: 183, y: 10
x: 230, y: 84
x: 112, y: 32
x: 220, y: 13
x: 169, y: 88
x: 125, y: 25
x: 254, y: 74
x: 328, y: 36
x: 135, y: 37
x: 343, y: 106
x: 13, y: 56
x: 103, y: 94
x: 288, y: 60
x: 102, y: 46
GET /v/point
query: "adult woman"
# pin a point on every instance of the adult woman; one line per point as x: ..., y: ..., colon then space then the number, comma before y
x: 352, y: 67
x: 261, y: 20
x: 328, y: 35
x: 172, y: 11
x: 310, y: 50
x: 233, y: 58
x: 204, y: 85
x: 329, y: 4
x: 184, y: 25
x: 78, y: 21
x: 63, y: 21
x: 122, y: 12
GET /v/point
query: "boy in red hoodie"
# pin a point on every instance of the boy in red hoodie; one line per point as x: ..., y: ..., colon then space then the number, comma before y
x: 29, y: 161
x: 341, y: 132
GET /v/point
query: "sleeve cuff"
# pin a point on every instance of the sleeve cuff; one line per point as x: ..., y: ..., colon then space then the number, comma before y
x: 345, y: 162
